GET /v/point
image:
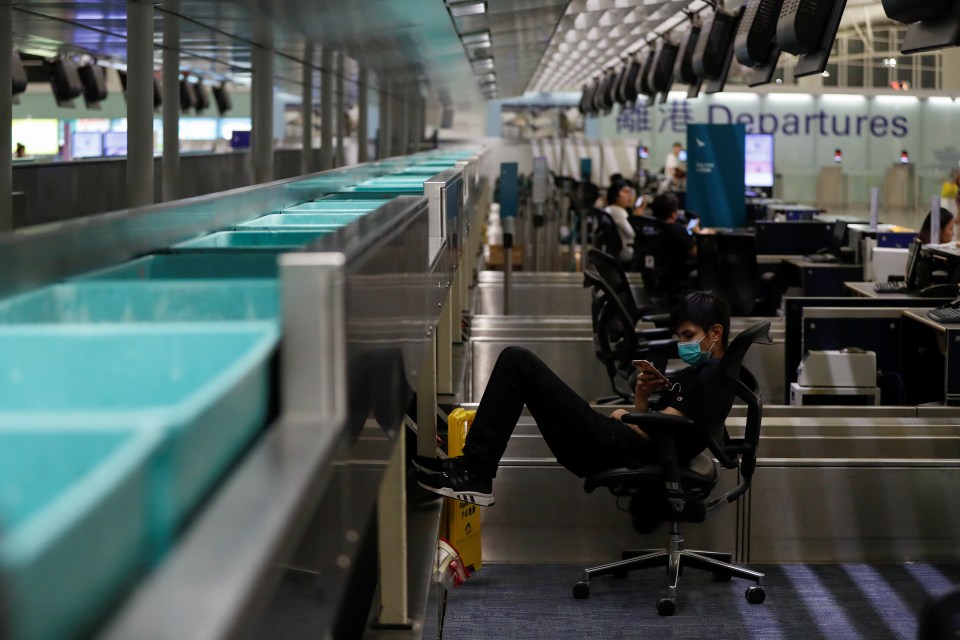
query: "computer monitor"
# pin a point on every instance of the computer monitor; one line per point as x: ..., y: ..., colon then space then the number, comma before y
x: 115, y: 143
x: 838, y: 240
x: 912, y: 273
x: 759, y: 160
x: 87, y: 144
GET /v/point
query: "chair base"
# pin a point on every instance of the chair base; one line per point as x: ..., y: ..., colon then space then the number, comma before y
x: 674, y: 558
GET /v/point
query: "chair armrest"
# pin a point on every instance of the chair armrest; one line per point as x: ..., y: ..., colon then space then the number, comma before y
x: 662, y: 429
x: 656, y: 334
x: 660, y: 319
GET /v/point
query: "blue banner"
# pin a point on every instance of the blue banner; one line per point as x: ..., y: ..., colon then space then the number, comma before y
x: 716, y: 157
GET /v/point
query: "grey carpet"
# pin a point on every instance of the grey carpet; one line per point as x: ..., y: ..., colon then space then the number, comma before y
x: 804, y: 602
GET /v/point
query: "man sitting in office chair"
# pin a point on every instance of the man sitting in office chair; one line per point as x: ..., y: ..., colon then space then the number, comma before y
x: 583, y: 440
x: 681, y: 245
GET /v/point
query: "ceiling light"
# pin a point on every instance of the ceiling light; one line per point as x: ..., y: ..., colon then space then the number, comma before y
x: 468, y: 8
x: 486, y: 64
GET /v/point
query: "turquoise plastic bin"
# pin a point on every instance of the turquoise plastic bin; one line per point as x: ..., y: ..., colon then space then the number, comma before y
x: 250, y: 241
x: 74, y: 504
x: 167, y: 266
x: 349, y: 195
x: 204, y: 386
x: 336, y: 206
x: 173, y: 301
x: 301, y: 221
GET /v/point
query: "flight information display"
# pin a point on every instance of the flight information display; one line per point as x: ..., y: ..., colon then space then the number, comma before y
x: 759, y: 160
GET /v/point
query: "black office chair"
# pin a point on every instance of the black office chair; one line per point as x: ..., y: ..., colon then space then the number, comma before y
x: 638, y: 303
x: 727, y: 265
x: 606, y: 238
x: 617, y: 342
x: 684, y: 490
x: 652, y: 261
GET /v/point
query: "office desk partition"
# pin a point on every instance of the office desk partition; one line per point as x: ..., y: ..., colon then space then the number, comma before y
x: 792, y: 238
x: 931, y: 353
x: 793, y: 324
x: 820, y: 278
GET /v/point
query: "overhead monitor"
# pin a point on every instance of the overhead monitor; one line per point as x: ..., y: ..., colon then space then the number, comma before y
x: 661, y: 72
x: 94, y: 84
x: 222, y: 97
x: 755, y: 44
x: 203, y: 96
x: 683, y: 71
x: 807, y: 28
x: 643, y: 80
x: 630, y: 82
x: 759, y: 160
x: 619, y: 95
x: 934, y: 24
x: 18, y: 74
x: 87, y: 144
x: 188, y: 96
x: 115, y: 143
x: 65, y: 81
x: 714, y: 52
x: 607, y: 98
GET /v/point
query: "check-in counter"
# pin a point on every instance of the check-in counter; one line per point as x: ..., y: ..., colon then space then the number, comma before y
x: 360, y: 309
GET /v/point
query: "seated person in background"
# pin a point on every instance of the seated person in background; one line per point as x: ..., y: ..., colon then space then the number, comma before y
x: 946, y: 229
x: 583, y: 440
x: 621, y: 199
x: 681, y: 246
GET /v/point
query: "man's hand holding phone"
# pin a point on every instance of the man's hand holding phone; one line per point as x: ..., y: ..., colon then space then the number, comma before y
x: 650, y: 379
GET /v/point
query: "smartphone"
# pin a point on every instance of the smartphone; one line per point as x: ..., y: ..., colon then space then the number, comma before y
x: 639, y: 202
x: 647, y: 366
x: 693, y: 223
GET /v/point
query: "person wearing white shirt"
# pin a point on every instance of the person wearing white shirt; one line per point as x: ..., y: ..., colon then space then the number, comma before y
x: 672, y: 163
x: 621, y: 198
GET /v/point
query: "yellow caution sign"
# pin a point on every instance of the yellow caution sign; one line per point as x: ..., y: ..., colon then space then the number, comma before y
x: 462, y: 518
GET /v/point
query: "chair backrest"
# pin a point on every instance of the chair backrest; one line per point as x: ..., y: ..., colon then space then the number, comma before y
x: 610, y: 269
x: 727, y: 265
x: 606, y: 237
x: 615, y: 339
x: 652, y: 259
x: 734, y: 380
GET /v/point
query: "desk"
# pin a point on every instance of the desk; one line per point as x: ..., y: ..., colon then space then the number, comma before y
x: 931, y: 352
x: 820, y: 279
x: 865, y: 290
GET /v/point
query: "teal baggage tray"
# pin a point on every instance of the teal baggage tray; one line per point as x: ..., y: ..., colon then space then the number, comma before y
x: 205, y: 386
x: 348, y: 195
x: 194, y: 266
x: 336, y: 206
x: 173, y: 301
x: 75, y: 507
x: 301, y: 221
x: 250, y: 241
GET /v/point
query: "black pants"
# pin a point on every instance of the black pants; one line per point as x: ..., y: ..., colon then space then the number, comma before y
x: 583, y: 440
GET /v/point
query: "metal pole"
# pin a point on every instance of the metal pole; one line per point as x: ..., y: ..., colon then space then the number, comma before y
x: 341, y: 124
x: 6, y: 116
x: 139, y: 103
x: 306, y: 146
x: 262, y: 103
x: 404, y: 141
x: 386, y: 120
x: 170, y: 186
x: 326, y: 109
x: 362, y: 119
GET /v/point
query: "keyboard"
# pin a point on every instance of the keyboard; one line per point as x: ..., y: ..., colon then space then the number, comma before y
x: 897, y: 286
x: 948, y: 315
x: 821, y: 257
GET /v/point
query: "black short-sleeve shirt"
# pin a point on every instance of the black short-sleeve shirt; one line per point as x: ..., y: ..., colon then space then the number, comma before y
x: 680, y: 244
x: 691, y: 392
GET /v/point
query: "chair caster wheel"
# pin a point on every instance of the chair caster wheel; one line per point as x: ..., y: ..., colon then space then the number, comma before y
x: 666, y: 607
x: 756, y: 595
x: 719, y: 576
x: 581, y: 590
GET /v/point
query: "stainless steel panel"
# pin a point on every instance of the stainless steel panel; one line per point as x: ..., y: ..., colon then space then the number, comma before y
x: 543, y: 515
x: 535, y: 300
x: 572, y: 359
x: 823, y: 512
